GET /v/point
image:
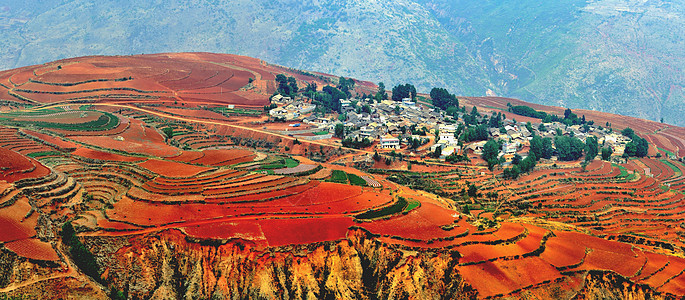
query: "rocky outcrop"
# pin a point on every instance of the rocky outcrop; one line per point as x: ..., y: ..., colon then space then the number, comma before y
x: 167, y: 266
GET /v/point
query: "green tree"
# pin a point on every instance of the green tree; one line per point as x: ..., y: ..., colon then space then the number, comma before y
x: 606, y: 153
x: 628, y: 132
x: 541, y: 147
x: 441, y: 98
x: 591, y: 148
x: 490, y: 153
x: 168, y: 131
x: 402, y: 91
x: 381, y: 94
x: 542, y: 128
x: 346, y: 85
x: 473, y: 190
x: 286, y: 85
x: 340, y: 130
x: 569, y: 148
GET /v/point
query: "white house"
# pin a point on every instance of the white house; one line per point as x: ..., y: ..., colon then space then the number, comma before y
x: 389, y: 142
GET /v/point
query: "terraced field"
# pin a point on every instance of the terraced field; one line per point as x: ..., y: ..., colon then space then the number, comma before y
x: 147, y: 184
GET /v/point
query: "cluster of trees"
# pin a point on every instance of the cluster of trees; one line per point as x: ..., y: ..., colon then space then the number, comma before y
x: 328, y: 99
x: 475, y: 133
x: 346, y: 85
x: 570, y: 118
x: 83, y: 258
x: 443, y: 99
x: 637, y: 147
x: 287, y: 86
x: 568, y: 148
x: 591, y: 148
x: 356, y: 143
x: 402, y: 91
x: 520, y: 166
x: 490, y: 153
x: 339, y: 130
x: 415, y: 143
x: 381, y: 94
x: 541, y: 147
x: 454, y: 157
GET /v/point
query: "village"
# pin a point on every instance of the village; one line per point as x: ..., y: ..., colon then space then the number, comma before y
x: 416, y: 129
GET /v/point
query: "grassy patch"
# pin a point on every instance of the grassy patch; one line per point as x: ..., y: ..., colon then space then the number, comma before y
x: 291, y: 163
x: 281, y: 164
x: 624, y: 172
x: 412, y: 205
x: 400, y: 205
x: 674, y: 167
x: 320, y: 132
x: 237, y: 111
x: 107, y: 121
x: 669, y: 153
x: 356, y: 180
x: 43, y: 153
x: 338, y: 176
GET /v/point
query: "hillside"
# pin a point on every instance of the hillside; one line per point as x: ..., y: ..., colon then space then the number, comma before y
x: 614, y: 56
x: 132, y: 177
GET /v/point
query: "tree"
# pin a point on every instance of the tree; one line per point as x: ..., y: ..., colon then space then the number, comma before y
x: 569, y: 148
x: 168, y: 131
x: 473, y: 190
x: 286, y: 85
x: 441, y: 98
x: 541, y: 147
x: 346, y: 85
x: 638, y: 147
x: 542, y: 128
x: 591, y: 148
x: 528, y: 163
x: 490, y: 152
x: 437, y: 152
x: 340, y: 130
x: 381, y: 94
x: 517, y: 159
x: 529, y: 126
x: 606, y: 153
x: 628, y: 132
x: 402, y: 91
x: 376, y: 157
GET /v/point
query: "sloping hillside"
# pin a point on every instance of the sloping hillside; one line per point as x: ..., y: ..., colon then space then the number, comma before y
x: 610, y: 55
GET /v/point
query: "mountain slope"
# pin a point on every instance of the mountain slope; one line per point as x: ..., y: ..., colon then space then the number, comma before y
x: 611, y: 55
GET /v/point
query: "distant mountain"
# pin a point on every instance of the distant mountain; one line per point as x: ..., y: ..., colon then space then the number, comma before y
x: 610, y: 55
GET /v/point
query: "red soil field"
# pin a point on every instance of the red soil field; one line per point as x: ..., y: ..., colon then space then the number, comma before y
x: 195, y: 113
x: 220, y: 157
x: 15, y: 227
x: 172, y: 169
x: 69, y: 117
x: 192, y: 77
x: 187, y: 156
x: 504, y: 277
x: 13, y: 165
x: 281, y: 232
x: 422, y: 223
x: 33, y: 249
x: 49, y: 139
x: 100, y: 155
x: 136, y: 139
